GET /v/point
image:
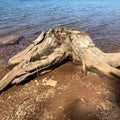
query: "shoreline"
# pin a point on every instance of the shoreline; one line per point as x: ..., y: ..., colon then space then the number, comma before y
x: 73, y: 97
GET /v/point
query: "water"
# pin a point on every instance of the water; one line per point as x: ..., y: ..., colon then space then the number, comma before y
x: 100, y: 18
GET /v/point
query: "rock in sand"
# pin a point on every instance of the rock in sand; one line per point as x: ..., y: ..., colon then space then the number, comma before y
x: 10, y: 40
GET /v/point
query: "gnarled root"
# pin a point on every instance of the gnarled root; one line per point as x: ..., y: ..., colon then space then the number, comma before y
x: 52, y: 47
x: 24, y: 70
x: 95, y: 58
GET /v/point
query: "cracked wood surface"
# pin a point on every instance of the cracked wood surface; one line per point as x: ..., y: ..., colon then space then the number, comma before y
x: 54, y: 46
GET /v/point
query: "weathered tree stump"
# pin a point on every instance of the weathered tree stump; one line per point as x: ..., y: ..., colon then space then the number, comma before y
x: 54, y: 46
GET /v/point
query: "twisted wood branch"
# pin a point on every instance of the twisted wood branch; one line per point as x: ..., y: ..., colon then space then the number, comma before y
x: 52, y: 47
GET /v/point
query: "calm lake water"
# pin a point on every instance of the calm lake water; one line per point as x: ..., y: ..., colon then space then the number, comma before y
x: 100, y: 18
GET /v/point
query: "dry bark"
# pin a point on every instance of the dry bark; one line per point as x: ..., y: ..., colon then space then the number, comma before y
x: 54, y: 46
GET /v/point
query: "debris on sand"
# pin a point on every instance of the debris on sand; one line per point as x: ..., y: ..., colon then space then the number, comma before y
x: 49, y: 82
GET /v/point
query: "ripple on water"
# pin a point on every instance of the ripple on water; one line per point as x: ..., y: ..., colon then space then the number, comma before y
x: 100, y: 19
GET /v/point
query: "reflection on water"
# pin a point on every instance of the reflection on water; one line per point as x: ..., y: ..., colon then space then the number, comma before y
x: 100, y: 18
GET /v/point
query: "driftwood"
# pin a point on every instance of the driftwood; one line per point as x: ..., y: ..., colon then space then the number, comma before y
x: 54, y: 46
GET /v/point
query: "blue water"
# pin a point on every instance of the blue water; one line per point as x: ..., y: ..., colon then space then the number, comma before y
x: 100, y: 18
